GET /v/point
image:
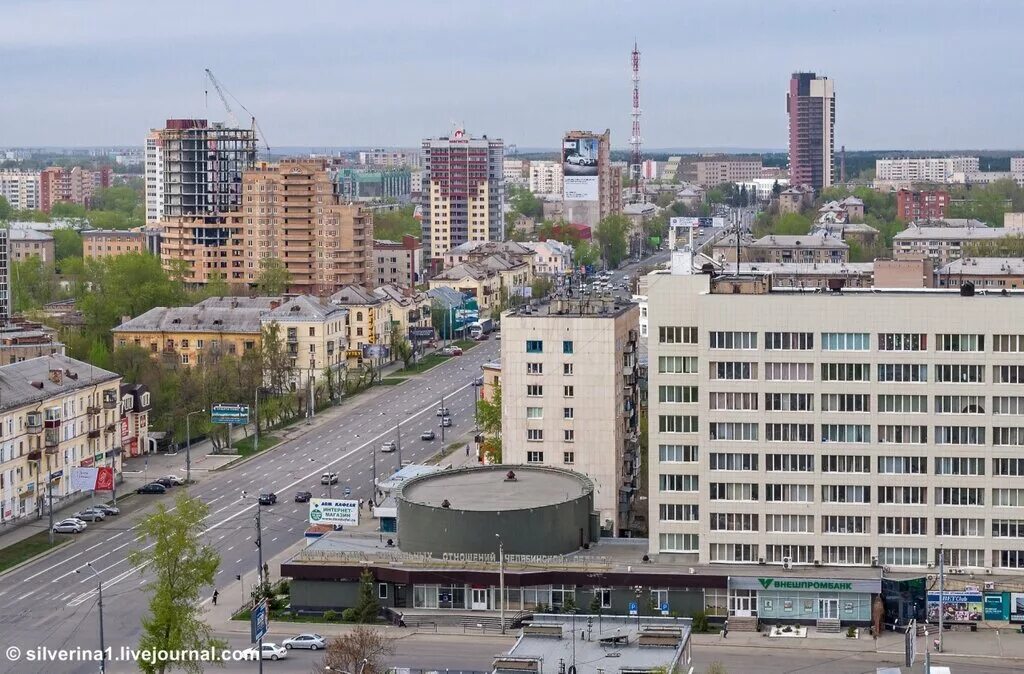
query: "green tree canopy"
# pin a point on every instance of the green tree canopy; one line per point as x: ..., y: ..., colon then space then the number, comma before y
x: 612, y: 238
x: 393, y: 225
x: 5, y: 209
x: 33, y: 283
x: 66, y: 243
x: 273, y: 278
x: 523, y: 201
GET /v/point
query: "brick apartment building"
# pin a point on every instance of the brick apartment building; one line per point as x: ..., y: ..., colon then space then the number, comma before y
x: 921, y: 205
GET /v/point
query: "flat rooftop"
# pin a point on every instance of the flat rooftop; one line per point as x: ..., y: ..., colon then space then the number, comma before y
x: 575, y: 305
x: 487, y: 488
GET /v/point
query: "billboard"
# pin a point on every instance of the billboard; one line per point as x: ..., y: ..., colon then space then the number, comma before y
x: 420, y: 334
x: 1016, y: 607
x: 579, y: 169
x: 229, y: 413
x: 333, y: 511
x: 92, y: 479
x: 958, y: 606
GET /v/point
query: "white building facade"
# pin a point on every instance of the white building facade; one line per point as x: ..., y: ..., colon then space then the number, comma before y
x: 924, y: 169
x: 20, y: 188
x: 154, y: 178
x: 552, y: 258
x: 545, y: 177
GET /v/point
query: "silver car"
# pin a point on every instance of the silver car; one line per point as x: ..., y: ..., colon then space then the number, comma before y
x: 69, y: 526
x: 313, y: 642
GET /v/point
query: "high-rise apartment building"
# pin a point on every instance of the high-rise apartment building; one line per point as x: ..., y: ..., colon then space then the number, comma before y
x: 20, y: 188
x: 73, y: 185
x: 591, y: 186
x: 811, y: 104
x: 290, y: 212
x: 569, y: 394
x: 545, y: 177
x: 463, y: 192
x: 909, y: 170
x: 5, y: 276
x: 153, y: 171
x: 382, y: 158
x: 861, y: 427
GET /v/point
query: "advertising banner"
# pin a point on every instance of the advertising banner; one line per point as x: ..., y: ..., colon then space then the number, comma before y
x: 92, y: 479
x: 229, y: 413
x: 333, y: 511
x: 1017, y: 607
x: 994, y: 607
x: 579, y: 169
x: 420, y: 334
x: 956, y: 606
x: 124, y: 431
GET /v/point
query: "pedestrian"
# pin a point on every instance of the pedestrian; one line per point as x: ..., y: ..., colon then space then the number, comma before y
x: 467, y: 450
x: 215, y: 595
x: 266, y: 572
x: 725, y: 629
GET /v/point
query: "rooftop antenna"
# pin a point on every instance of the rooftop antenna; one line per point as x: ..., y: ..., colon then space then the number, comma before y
x: 636, y: 159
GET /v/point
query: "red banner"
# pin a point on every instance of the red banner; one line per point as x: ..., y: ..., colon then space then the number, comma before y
x: 104, y: 479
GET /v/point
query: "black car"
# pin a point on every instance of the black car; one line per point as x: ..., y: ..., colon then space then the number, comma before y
x: 269, y: 498
x: 303, y: 496
x: 151, y: 488
x: 427, y: 435
x: 165, y: 481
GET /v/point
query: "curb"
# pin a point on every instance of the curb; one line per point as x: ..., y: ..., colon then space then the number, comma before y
x: 36, y: 558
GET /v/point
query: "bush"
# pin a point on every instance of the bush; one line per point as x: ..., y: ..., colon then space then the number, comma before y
x: 787, y: 629
x: 595, y: 605
x: 350, y: 615
x: 330, y: 616
x: 851, y: 632
x: 284, y: 586
x: 700, y: 622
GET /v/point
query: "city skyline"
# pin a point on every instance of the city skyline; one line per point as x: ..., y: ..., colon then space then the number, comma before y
x: 321, y: 77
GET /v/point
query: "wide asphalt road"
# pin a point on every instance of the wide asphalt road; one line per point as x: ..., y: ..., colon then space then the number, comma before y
x: 48, y: 604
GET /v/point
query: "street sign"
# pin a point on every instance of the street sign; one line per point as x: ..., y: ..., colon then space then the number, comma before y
x: 229, y: 413
x: 633, y: 608
x: 910, y: 643
x: 664, y: 608
x: 258, y: 622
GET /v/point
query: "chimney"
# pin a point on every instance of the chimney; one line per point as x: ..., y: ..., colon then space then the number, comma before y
x: 56, y: 376
x: 274, y: 304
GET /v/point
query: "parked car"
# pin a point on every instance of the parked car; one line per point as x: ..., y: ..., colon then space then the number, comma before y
x: 442, y: 412
x: 427, y: 435
x: 452, y: 351
x: 174, y: 479
x: 109, y: 509
x: 151, y: 488
x: 268, y: 498
x: 270, y: 652
x: 313, y: 642
x: 446, y: 422
x: 388, y: 446
x: 303, y: 496
x: 69, y: 526
x: 91, y: 515
x: 329, y: 478
x: 165, y: 481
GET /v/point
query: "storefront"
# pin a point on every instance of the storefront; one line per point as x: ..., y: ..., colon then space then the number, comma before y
x: 802, y: 599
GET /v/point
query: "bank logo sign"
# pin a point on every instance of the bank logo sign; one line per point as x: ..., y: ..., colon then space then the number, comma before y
x: 833, y: 585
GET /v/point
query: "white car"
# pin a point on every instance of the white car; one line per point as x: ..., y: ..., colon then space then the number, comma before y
x: 270, y: 652
x: 69, y: 526
x: 175, y: 479
x: 577, y: 159
x: 388, y: 446
x: 313, y: 642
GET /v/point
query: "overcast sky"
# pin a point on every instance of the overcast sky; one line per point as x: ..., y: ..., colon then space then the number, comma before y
x: 914, y: 74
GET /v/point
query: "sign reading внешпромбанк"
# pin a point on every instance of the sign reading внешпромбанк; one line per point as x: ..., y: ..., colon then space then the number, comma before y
x: 804, y: 584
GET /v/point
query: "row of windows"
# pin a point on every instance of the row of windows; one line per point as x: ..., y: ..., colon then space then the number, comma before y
x: 840, y: 554
x: 537, y: 346
x: 961, y: 527
x: 886, y: 403
x: 1002, y: 436
x: 843, y: 341
x: 843, y: 463
x: 848, y: 493
x: 858, y: 372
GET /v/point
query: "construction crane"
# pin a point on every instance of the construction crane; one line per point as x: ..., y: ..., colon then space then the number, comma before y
x: 224, y: 93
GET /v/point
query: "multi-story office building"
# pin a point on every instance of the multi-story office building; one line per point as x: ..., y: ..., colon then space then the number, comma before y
x: 908, y: 170
x: 545, y: 177
x: 716, y: 171
x: 107, y: 242
x: 398, y: 263
x: 858, y: 428
x: 20, y: 188
x: 569, y: 395
x: 291, y: 212
x: 921, y: 205
x: 811, y: 104
x: 153, y: 172
x: 591, y: 186
x: 73, y: 185
x: 463, y: 191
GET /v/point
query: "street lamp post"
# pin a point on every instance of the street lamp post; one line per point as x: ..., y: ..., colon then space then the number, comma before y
x: 188, y: 445
x: 442, y: 419
x: 398, y: 442
x: 99, y: 604
x: 259, y: 570
x: 501, y: 580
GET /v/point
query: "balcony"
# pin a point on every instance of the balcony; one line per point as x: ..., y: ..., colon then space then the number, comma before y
x: 109, y: 400
x: 94, y: 433
x: 110, y: 428
x: 51, y: 439
x: 35, y: 423
x: 92, y: 409
x: 35, y: 455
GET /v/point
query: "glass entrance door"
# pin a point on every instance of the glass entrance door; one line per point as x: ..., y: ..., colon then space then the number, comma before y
x: 828, y: 608
x: 479, y: 599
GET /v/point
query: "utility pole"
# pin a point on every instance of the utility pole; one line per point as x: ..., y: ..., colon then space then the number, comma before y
x: 188, y: 446
x: 373, y: 485
x: 99, y: 604
x: 256, y: 417
x: 442, y: 419
x: 259, y: 572
x: 398, y: 442
x: 501, y: 580
x: 942, y: 585
x: 49, y: 487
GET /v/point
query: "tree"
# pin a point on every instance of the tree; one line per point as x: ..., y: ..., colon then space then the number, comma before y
x: 586, y: 253
x: 523, y: 201
x: 33, y: 283
x: 348, y: 653
x: 541, y: 287
x: 5, y: 209
x: 277, y: 364
x: 401, y: 347
x: 181, y: 565
x: 393, y: 225
x: 66, y: 243
x: 273, y: 278
x: 488, y: 413
x: 367, y: 608
x: 612, y: 238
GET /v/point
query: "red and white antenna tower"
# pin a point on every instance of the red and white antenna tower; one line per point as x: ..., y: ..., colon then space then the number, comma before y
x: 636, y: 158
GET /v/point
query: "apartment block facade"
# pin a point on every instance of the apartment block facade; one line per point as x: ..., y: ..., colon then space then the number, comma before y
x: 20, y: 188
x: 545, y: 177
x: 811, y: 104
x: 74, y: 185
x: 714, y: 172
x: 914, y: 205
x: 98, y: 243
x: 398, y: 263
x: 569, y: 395
x: 592, y: 192
x: 858, y: 428
x: 153, y: 175
x: 924, y: 169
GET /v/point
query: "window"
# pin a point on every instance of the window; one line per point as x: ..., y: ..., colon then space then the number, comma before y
x: 790, y: 463
x: 845, y: 493
x: 844, y: 524
x: 960, y: 496
x: 1008, y: 374
x: 902, y: 341
x: 677, y: 364
x: 959, y: 526
x: 1013, y: 467
x: 568, y: 391
x: 845, y: 463
x: 790, y: 524
x: 733, y: 491
x: 1013, y: 405
x: 960, y: 435
x: 1008, y: 343
x: 902, y: 465
x: 568, y: 457
x: 534, y: 390
x: 845, y: 433
x: 569, y: 435
x: 535, y: 368
x: 788, y: 402
x: 534, y: 412
x: 733, y: 552
x: 1008, y: 498
x: 677, y: 453
x: 902, y: 556
x: 845, y: 555
x: 961, y: 557
x: 733, y: 522
x: 1007, y: 528
x: 535, y: 434
x: 678, y: 542
x: 959, y: 342
x: 534, y: 346
x: 903, y: 495
x: 567, y: 346
x: 567, y: 369
x: 677, y: 423
x: 963, y: 374
x: 789, y: 432
x: 789, y: 371
x: 845, y: 341
x: 746, y: 341
x: 791, y: 493
x: 673, y: 334
x: 677, y: 512
x: 732, y: 461
x: 184, y: 343
x: 902, y: 435
x: 845, y: 372
x: 382, y: 590
x: 789, y: 341
x: 567, y: 413
x: 902, y: 526
x: 845, y: 402
x: 959, y: 404
x: 677, y: 482
x: 677, y: 394
x: 902, y: 372
x: 733, y: 370
x: 797, y: 554
x: 534, y: 457
x: 743, y: 432
x: 959, y: 465
x: 604, y: 596
x: 184, y: 359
